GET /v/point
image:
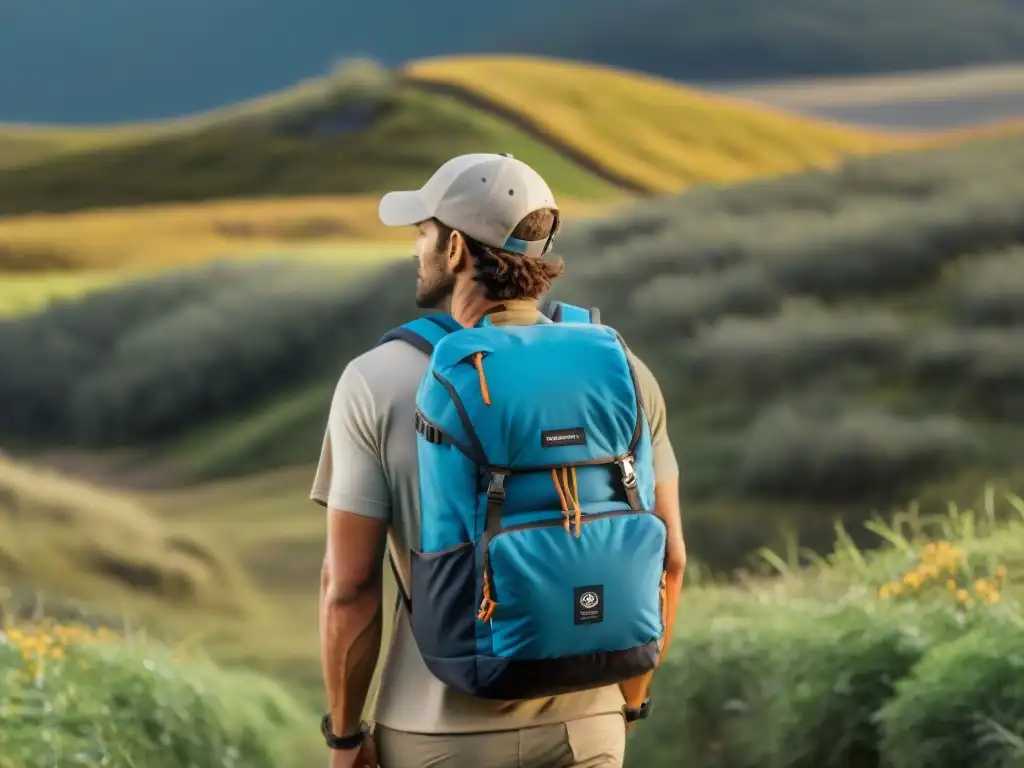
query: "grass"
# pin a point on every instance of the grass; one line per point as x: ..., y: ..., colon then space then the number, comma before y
x: 338, y: 137
x: 83, y: 541
x: 75, y: 695
x: 25, y: 293
x: 869, y: 90
x: 852, y: 658
x: 596, y: 134
x: 179, y: 235
x: 654, y: 132
x: 964, y: 99
x: 230, y: 567
x: 901, y: 656
x: 841, y: 341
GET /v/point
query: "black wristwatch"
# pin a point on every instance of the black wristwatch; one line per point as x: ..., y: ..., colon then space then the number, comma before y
x: 342, y: 743
x: 638, y: 713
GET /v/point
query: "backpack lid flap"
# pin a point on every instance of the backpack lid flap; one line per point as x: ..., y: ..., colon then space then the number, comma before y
x: 558, y: 393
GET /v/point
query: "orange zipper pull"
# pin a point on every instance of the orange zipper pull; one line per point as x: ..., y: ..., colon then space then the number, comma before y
x: 478, y: 361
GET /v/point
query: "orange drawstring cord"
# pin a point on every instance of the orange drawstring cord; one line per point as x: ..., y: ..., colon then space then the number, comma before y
x: 561, y: 497
x: 487, y: 605
x: 566, y: 497
x: 576, y: 502
x: 478, y: 361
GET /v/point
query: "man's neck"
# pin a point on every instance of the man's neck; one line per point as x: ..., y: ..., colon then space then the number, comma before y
x: 469, y: 305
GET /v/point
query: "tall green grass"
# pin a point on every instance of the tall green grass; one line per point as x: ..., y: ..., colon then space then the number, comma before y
x: 910, y: 656
x: 71, y: 696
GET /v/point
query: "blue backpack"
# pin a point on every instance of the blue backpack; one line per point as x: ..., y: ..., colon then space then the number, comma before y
x: 540, y: 567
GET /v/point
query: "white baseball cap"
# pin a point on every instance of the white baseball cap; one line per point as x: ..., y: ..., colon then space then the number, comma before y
x: 483, y: 196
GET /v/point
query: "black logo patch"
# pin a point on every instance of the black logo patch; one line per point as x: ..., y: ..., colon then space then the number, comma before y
x: 556, y: 437
x: 588, y: 604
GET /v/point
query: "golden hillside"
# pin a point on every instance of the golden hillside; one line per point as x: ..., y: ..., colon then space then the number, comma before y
x: 658, y: 134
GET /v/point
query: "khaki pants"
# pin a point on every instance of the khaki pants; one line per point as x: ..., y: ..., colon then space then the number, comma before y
x: 590, y: 742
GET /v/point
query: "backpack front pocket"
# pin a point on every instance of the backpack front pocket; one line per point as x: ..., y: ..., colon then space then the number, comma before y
x: 558, y: 595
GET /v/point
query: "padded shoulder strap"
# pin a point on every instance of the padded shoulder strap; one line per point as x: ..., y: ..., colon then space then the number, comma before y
x: 423, y: 332
x: 560, y: 312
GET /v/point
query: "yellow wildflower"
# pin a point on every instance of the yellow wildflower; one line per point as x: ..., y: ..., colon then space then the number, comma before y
x: 913, y: 579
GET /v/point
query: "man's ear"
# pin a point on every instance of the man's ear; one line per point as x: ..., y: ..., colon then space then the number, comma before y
x: 456, y: 252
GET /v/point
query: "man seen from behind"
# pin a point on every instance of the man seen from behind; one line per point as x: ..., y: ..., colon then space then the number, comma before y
x: 465, y: 218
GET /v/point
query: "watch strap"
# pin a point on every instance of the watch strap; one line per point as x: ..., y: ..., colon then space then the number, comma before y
x: 633, y: 714
x: 346, y: 741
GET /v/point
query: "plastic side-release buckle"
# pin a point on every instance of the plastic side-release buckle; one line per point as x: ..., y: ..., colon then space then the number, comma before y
x: 628, y: 468
x: 496, y: 487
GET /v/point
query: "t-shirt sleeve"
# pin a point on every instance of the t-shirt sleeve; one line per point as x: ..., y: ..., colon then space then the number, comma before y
x: 350, y: 475
x: 665, y: 464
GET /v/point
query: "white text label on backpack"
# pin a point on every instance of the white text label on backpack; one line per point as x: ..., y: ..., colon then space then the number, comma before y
x: 556, y: 437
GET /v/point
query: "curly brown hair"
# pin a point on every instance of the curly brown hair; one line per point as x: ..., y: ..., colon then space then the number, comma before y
x: 508, y: 276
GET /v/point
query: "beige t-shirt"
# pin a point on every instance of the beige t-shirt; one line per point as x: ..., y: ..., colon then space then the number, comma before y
x: 368, y: 467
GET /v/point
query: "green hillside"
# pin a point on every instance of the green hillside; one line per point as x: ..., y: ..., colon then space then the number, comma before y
x: 828, y: 343
x: 353, y: 132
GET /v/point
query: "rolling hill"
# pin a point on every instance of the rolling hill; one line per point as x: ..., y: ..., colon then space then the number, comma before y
x: 654, y: 133
x: 828, y: 342
x: 116, y: 61
x: 227, y: 567
x: 912, y: 101
x: 367, y: 130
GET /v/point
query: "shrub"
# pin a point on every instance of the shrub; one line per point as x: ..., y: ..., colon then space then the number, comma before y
x: 152, y: 357
x: 840, y: 667
x: 986, y: 366
x: 959, y: 703
x: 867, y: 454
x: 70, y: 696
x: 894, y: 247
x: 680, y: 303
x: 715, y: 695
x: 990, y: 291
x: 872, y: 227
x: 804, y: 671
x: 769, y: 354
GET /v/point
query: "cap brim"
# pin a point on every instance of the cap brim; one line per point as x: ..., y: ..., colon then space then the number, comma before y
x: 403, y: 209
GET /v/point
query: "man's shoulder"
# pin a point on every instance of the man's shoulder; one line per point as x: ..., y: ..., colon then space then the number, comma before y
x: 642, y: 369
x: 392, y: 367
x: 650, y: 388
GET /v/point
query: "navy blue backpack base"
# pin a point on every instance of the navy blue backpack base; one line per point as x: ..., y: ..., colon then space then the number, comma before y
x: 540, y: 566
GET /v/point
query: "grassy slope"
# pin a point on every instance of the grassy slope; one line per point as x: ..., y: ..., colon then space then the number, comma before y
x: 410, y: 136
x: 652, y: 131
x: 898, y: 657
x: 27, y: 292
x: 945, y: 85
x: 77, y: 694
x: 847, y: 291
x: 82, y: 541
x: 231, y: 567
x: 967, y: 97
x: 267, y: 524
x: 588, y: 129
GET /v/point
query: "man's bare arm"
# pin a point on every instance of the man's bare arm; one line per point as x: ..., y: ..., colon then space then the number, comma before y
x: 666, y: 506
x: 351, y: 613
